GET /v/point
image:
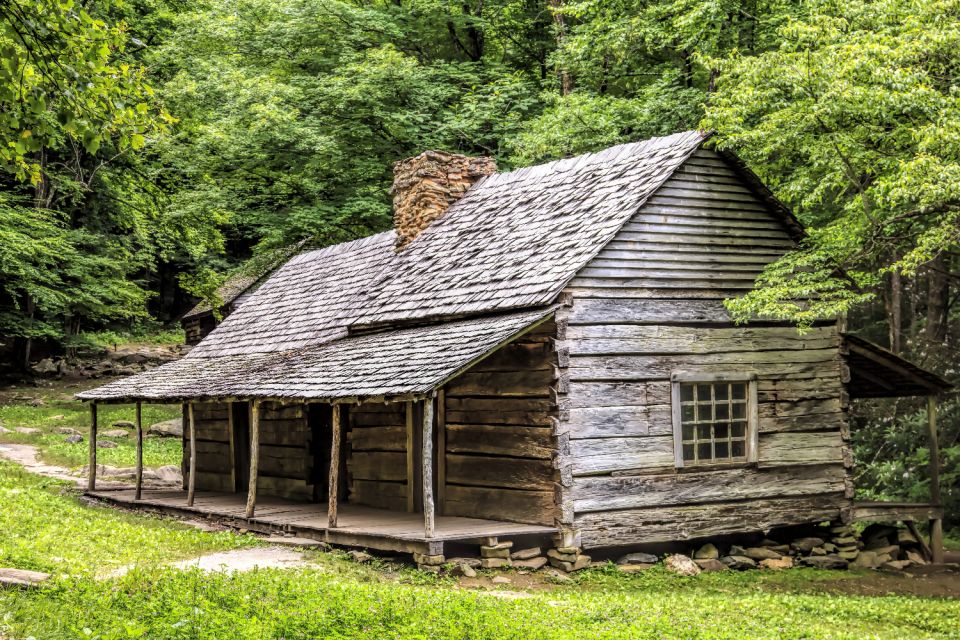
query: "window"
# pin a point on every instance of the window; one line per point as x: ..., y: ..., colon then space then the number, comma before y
x: 714, y: 419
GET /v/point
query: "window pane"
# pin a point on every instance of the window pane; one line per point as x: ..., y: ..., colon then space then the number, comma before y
x: 686, y: 393
x: 703, y: 451
x: 721, y: 391
x: 722, y: 412
x: 687, y: 432
x: 721, y: 431
x: 739, y: 410
x: 703, y: 392
x: 722, y: 450
x: 737, y: 429
x: 739, y: 391
x: 686, y: 413
x: 703, y: 431
x: 704, y: 411
x: 737, y: 449
x: 688, y: 452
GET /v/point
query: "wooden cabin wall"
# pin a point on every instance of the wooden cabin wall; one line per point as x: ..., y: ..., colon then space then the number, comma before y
x: 499, y: 434
x: 284, y: 458
x: 649, y: 304
x: 377, y: 460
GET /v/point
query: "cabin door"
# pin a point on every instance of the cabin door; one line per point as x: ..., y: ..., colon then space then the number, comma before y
x: 240, y: 414
x: 320, y: 423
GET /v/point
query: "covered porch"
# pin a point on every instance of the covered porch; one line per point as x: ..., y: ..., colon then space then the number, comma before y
x: 875, y: 372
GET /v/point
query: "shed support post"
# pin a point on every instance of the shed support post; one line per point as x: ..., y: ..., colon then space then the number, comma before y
x: 428, y: 515
x: 139, y: 422
x: 333, y: 485
x: 254, y: 457
x: 411, y: 460
x: 936, y: 525
x: 92, y: 462
x: 192, y: 481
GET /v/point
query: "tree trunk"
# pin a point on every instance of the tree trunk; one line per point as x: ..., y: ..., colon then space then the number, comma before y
x: 566, y: 79
x: 938, y: 298
x: 895, y: 311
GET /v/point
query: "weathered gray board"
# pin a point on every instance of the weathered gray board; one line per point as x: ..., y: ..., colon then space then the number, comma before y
x: 649, y: 304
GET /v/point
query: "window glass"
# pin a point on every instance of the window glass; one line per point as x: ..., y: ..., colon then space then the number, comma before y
x: 713, y: 422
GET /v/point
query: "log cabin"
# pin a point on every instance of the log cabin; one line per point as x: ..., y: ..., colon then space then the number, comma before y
x: 543, y: 353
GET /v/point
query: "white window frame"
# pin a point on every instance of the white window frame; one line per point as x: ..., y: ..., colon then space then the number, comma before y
x: 753, y: 417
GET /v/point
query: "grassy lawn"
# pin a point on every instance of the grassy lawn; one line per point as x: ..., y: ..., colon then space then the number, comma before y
x: 43, y: 527
x: 60, y: 409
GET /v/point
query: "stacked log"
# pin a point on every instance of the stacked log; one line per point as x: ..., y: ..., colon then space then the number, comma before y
x: 426, y: 185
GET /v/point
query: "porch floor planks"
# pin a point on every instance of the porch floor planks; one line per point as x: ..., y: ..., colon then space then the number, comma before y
x: 312, y: 517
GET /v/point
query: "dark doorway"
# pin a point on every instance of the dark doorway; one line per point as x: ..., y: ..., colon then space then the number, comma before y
x: 320, y: 423
x: 240, y: 414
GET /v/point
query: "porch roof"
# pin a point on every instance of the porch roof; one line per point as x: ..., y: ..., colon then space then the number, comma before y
x: 402, y: 362
x: 876, y: 372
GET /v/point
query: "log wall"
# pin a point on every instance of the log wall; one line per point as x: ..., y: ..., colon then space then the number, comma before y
x: 377, y: 459
x: 500, y: 446
x: 284, y: 466
x: 649, y: 304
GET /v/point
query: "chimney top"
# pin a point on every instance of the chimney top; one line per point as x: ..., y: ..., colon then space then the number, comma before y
x: 425, y: 186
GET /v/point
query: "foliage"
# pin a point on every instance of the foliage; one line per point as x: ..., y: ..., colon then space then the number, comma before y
x: 852, y: 119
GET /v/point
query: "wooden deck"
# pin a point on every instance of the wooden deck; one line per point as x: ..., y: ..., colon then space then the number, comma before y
x: 357, y: 526
x: 895, y: 512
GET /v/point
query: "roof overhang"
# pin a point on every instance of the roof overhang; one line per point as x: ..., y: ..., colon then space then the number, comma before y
x: 400, y: 364
x: 876, y: 372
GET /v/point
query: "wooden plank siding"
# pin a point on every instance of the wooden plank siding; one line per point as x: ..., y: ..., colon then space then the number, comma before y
x: 499, y: 434
x: 650, y: 304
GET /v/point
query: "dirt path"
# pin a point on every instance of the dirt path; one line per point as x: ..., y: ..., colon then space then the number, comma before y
x: 237, y: 560
x: 27, y: 455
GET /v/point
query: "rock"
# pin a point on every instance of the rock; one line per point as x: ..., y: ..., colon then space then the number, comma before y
x: 767, y: 542
x: 736, y: 550
x: 3, y: 429
x: 556, y: 576
x: 124, y: 424
x: 710, y: 565
x: 638, y: 558
x: 59, y: 416
x: 761, y: 553
x: 554, y: 554
x: 531, y: 563
x: 106, y: 444
x: 74, y: 439
x: 501, y: 580
x: 866, y: 560
x: 895, y: 565
x: 891, y: 549
x: 844, y: 541
x: 681, y: 565
x: 829, y: 547
x: 27, y: 431
x: 67, y: 431
x: 116, y: 433
x: 819, y: 551
x: 782, y: 549
x: 473, y: 563
x: 849, y: 555
x: 806, y: 545
x: 706, y: 552
x: 904, y: 537
x: 777, y: 564
x: 429, y: 568
x: 825, y: 562
x: 44, y: 367
x: 166, y: 475
x: 841, y: 529
x: 431, y: 560
x: 167, y: 429
x: 569, y: 550
x: 878, y: 534
x: 739, y: 563
x: 37, y: 402
x: 507, y: 544
x: 493, y: 552
x: 915, y: 557
x: 360, y: 556
x: 21, y: 579
x: 634, y: 568
x: 464, y: 570
x: 582, y: 562
x: 526, y: 554
x: 495, y: 563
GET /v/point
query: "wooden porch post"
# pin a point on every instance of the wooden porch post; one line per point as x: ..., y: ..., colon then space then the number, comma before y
x: 411, y: 458
x: 191, y: 483
x: 139, y: 423
x: 92, y: 463
x: 254, y: 457
x: 428, y: 467
x: 333, y: 488
x: 936, y: 525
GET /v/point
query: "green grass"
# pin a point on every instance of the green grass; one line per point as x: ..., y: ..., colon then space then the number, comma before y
x: 44, y: 528
x: 60, y: 410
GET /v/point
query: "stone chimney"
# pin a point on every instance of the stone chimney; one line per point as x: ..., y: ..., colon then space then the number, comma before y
x: 426, y: 185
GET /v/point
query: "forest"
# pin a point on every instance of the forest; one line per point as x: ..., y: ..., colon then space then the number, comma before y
x: 149, y: 148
